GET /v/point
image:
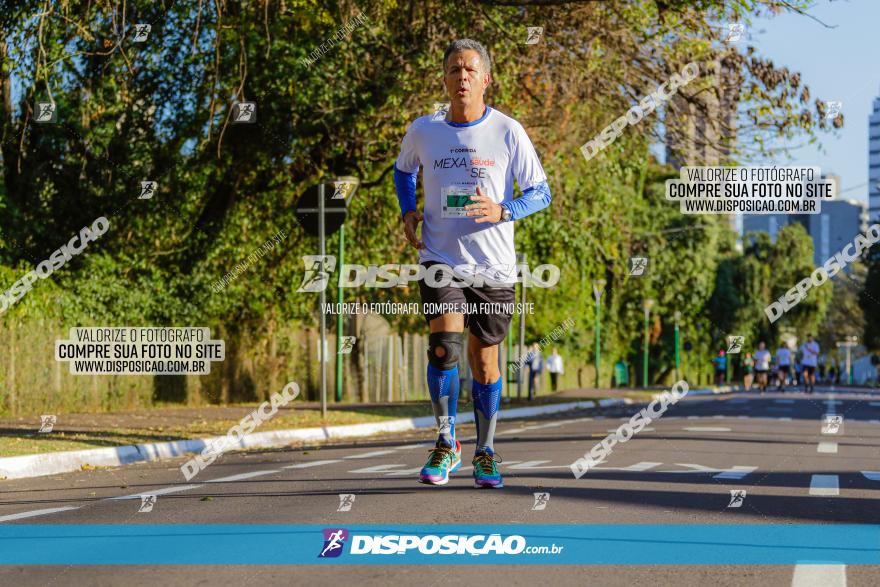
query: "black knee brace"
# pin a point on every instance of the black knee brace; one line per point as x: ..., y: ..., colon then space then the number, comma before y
x: 451, y: 343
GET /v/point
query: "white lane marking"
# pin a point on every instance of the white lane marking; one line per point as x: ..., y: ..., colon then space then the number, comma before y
x: 648, y: 429
x: 34, y: 513
x: 512, y: 431
x: 829, y: 406
x: 736, y: 472
x: 642, y: 466
x: 367, y: 455
x: 164, y: 491
x: 743, y: 417
x: 377, y: 469
x: 533, y: 465
x: 706, y: 429
x: 550, y: 425
x: 411, y: 446
x: 783, y: 401
x: 784, y: 419
x: 311, y: 464
x: 875, y: 404
x: 242, y: 476
x: 872, y: 475
x: 693, y: 417
x: 638, y: 467
x: 824, y: 485
x: 874, y: 421
x: 718, y: 417
x: 405, y: 472
x: 806, y: 575
x: 827, y: 448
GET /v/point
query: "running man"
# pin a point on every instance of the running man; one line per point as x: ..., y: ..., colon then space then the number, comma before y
x: 809, y: 360
x: 470, y: 160
x: 783, y: 364
x: 748, y: 365
x: 720, y: 362
x: 762, y: 366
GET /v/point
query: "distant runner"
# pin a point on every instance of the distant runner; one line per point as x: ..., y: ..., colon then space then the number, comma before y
x: 810, y: 352
x: 783, y: 364
x: 762, y: 366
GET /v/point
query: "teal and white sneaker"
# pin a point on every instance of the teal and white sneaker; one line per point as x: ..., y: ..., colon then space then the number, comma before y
x: 486, y: 469
x: 443, y: 461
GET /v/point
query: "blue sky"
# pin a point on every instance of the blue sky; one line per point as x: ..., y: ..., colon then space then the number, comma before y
x: 841, y: 64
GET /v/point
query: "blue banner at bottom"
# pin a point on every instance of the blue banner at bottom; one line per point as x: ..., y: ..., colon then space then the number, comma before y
x: 530, y: 544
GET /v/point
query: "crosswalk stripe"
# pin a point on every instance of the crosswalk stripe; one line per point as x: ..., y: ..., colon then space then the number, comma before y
x: 736, y: 472
x: 532, y: 465
x: 828, y: 485
x: 636, y: 468
x: 164, y: 491
x: 367, y: 455
x: 242, y: 476
x: 386, y: 468
x: 311, y: 464
x: 807, y: 575
x: 827, y: 448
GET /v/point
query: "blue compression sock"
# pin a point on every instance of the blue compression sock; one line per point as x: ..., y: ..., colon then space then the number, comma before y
x: 443, y: 387
x: 487, y: 399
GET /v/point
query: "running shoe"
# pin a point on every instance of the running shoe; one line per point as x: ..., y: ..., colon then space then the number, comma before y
x: 443, y: 461
x: 486, y: 470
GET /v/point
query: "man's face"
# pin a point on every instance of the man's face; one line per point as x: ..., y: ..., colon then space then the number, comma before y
x: 465, y: 78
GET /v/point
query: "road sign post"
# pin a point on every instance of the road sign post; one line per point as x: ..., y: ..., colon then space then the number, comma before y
x: 322, y: 345
x: 647, y: 305
x: 313, y: 214
x: 677, y: 349
x: 598, y: 290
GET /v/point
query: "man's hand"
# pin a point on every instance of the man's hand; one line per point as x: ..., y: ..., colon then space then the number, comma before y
x: 410, y: 225
x: 484, y: 207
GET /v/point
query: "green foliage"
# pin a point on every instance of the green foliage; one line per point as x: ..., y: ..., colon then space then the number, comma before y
x: 159, y: 110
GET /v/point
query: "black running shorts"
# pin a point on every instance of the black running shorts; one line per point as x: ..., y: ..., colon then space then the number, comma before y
x: 493, y: 307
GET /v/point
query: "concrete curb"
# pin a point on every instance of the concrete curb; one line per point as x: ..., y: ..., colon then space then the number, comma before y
x: 62, y: 462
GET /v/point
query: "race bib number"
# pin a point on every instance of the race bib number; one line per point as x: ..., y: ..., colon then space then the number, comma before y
x: 454, y: 199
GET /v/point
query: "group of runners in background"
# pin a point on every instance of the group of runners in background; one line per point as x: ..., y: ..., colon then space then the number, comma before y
x: 800, y: 367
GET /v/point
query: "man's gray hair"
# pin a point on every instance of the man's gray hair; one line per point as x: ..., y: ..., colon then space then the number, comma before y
x: 463, y: 45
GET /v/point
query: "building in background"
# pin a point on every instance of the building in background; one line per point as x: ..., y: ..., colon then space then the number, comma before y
x: 874, y: 161
x: 701, y: 121
x: 838, y: 224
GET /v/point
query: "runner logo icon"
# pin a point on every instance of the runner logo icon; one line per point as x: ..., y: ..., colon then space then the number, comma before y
x: 737, y: 497
x: 637, y: 266
x: 318, y: 270
x: 541, y: 500
x: 832, y: 424
x: 735, y: 344
x: 346, y: 501
x: 334, y: 540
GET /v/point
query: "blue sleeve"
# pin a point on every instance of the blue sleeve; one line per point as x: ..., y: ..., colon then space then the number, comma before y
x: 534, y: 199
x: 405, y: 184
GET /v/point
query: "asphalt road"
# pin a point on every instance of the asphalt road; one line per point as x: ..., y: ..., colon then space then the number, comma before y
x: 679, y: 470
